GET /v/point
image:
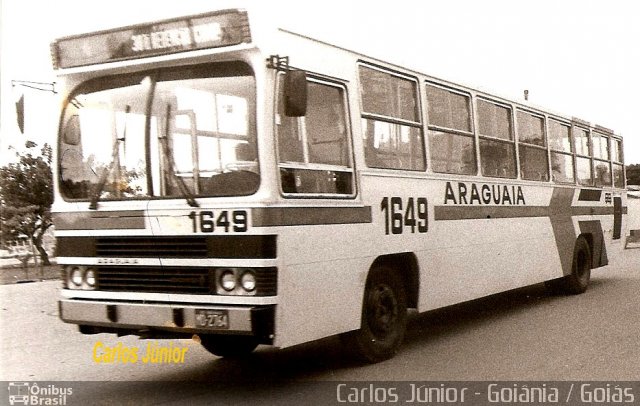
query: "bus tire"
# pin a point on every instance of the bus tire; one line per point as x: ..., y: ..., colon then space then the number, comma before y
x: 384, y: 318
x: 228, y: 346
x: 578, y: 280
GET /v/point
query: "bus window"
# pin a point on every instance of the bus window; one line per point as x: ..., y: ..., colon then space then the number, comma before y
x: 392, y: 131
x: 166, y: 134
x: 532, y: 147
x: 451, y: 141
x: 497, y: 148
x: 600, y: 146
x: 583, y: 169
x: 561, y: 158
x: 618, y: 175
x: 616, y: 150
x: 583, y: 160
x: 581, y: 141
x: 314, y: 150
x: 602, y: 173
x: 617, y: 165
x: 326, y: 126
x: 104, y: 129
x: 601, y: 164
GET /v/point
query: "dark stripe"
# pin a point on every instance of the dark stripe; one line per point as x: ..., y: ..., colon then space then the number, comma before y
x: 599, y: 254
x: 242, y: 246
x: 75, y: 247
x: 560, y: 212
x: 590, y: 195
x: 104, y: 220
x: 305, y: 216
x: 591, y: 210
x: 487, y: 212
x: 617, y: 217
x: 223, y: 246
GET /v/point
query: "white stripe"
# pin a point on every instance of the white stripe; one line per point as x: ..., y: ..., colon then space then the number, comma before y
x: 199, y: 262
x: 168, y: 297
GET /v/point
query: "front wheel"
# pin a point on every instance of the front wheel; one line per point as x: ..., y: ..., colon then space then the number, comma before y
x: 228, y: 346
x: 384, y: 317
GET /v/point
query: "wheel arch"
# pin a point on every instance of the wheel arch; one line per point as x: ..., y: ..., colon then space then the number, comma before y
x: 593, y: 233
x: 596, y: 250
x: 406, y: 264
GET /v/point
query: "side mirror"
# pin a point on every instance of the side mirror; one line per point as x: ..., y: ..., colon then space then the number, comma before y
x: 20, y: 113
x: 295, y: 93
x: 71, y: 133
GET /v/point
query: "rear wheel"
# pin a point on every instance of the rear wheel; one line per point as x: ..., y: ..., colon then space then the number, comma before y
x: 578, y: 281
x: 580, y: 276
x: 384, y: 317
x: 228, y: 346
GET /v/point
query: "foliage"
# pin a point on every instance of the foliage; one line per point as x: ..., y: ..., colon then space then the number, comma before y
x: 26, y: 193
x: 633, y: 174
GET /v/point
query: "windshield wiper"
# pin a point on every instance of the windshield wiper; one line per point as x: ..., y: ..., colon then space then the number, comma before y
x: 95, y: 197
x: 168, y: 155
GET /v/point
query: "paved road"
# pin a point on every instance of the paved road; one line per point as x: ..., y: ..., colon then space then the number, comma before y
x: 518, y: 335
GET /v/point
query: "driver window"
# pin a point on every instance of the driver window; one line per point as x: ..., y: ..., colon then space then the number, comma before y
x: 314, y: 151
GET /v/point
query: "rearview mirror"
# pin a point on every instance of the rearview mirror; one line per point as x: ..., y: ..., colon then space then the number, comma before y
x: 20, y: 113
x: 295, y: 93
x: 71, y: 132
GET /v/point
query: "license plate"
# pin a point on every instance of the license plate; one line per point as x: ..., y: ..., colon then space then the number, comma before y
x: 214, y: 319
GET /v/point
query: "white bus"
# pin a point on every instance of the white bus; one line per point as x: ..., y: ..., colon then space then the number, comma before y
x: 254, y: 186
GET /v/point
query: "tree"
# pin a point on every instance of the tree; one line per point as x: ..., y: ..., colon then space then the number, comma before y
x: 26, y: 193
x: 633, y: 174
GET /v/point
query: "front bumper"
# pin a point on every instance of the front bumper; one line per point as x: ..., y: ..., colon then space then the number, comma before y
x: 126, y: 317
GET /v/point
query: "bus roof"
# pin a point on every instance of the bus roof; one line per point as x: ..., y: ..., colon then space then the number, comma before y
x: 221, y: 28
x: 479, y: 90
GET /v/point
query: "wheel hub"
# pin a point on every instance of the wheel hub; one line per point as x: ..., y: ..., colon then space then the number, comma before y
x: 383, y: 307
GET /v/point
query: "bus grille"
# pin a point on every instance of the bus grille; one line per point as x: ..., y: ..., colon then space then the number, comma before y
x: 220, y: 246
x: 132, y: 247
x: 175, y: 280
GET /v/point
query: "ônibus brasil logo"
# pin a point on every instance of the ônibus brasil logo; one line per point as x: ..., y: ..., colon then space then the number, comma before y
x: 30, y: 393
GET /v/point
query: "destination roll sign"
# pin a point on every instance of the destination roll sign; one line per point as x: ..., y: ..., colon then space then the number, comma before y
x: 213, y: 30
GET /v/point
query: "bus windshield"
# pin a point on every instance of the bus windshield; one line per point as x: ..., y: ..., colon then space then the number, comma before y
x: 168, y: 133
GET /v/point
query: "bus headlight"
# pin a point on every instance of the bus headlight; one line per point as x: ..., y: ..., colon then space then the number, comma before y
x: 248, y: 281
x: 90, y: 278
x: 243, y: 281
x: 80, y: 278
x: 228, y: 280
x: 75, y: 277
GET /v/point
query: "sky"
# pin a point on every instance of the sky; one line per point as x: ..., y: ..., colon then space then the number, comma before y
x: 577, y: 58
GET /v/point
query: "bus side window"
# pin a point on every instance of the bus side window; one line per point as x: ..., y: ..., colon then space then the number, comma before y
x: 583, y: 160
x: 617, y: 163
x: 601, y: 164
x: 497, y: 148
x: 561, y: 148
x: 392, y: 132
x: 451, y: 141
x: 326, y: 127
x: 532, y: 147
x: 314, y: 151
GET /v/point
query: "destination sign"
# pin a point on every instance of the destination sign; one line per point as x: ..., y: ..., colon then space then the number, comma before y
x: 220, y: 29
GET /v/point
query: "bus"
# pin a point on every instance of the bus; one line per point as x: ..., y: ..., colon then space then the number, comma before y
x: 220, y: 179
